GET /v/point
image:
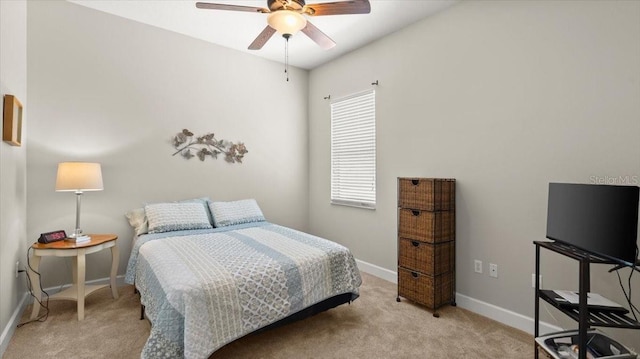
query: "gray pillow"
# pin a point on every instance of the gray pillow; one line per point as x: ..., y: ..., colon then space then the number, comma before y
x: 168, y: 217
x: 236, y: 212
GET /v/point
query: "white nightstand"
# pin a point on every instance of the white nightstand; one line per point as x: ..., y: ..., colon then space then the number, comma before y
x: 78, y: 291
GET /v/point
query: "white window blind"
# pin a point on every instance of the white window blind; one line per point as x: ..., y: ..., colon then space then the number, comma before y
x: 353, y: 150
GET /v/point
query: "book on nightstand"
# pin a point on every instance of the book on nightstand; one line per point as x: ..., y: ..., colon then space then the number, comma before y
x: 79, y: 239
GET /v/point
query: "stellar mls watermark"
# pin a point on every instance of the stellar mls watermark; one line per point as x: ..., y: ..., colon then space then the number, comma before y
x: 615, y: 180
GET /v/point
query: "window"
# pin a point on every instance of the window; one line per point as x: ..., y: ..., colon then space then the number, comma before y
x: 353, y: 150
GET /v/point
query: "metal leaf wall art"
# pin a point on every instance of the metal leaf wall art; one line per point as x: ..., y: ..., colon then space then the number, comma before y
x: 189, y: 146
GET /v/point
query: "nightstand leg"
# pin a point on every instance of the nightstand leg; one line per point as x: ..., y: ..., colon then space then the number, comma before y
x: 74, y: 271
x: 34, y: 278
x: 115, y: 258
x: 80, y: 284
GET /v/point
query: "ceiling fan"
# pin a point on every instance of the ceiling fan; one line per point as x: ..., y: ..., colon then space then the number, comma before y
x: 287, y: 17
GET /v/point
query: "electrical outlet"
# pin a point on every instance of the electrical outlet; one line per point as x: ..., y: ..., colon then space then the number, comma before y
x: 533, y: 280
x: 477, y: 266
x: 493, y: 270
x: 17, y: 268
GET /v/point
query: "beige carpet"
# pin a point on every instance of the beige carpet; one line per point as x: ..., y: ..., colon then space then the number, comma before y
x: 374, y: 326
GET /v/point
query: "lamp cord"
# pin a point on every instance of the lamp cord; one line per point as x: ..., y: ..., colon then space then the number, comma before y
x: 44, y: 304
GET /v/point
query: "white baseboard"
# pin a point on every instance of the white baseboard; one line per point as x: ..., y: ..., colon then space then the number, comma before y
x: 8, y: 331
x: 383, y: 273
x: 503, y: 315
x: 488, y: 310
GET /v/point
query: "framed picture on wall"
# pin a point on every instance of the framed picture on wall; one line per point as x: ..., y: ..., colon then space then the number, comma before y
x: 12, y: 121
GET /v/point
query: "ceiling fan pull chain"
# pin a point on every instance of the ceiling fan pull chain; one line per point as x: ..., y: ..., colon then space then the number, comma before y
x: 286, y: 55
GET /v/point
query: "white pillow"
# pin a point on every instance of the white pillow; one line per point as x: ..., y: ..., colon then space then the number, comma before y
x: 236, y: 212
x: 138, y: 220
x: 167, y: 217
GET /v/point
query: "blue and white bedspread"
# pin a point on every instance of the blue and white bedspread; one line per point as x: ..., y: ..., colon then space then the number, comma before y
x: 205, y: 290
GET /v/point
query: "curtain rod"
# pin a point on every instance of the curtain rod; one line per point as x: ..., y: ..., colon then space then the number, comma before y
x: 376, y: 83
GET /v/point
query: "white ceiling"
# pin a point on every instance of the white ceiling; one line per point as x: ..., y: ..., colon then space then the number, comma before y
x: 236, y: 30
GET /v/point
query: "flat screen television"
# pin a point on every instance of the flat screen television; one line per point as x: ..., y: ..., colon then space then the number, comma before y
x: 601, y: 219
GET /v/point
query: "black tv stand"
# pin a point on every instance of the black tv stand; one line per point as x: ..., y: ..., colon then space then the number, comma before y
x: 585, y: 316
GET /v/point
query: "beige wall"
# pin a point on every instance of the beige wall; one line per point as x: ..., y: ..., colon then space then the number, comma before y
x: 110, y: 90
x: 13, y: 80
x: 505, y: 96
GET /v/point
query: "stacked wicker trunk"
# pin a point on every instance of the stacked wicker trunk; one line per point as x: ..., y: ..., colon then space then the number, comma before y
x: 426, y: 241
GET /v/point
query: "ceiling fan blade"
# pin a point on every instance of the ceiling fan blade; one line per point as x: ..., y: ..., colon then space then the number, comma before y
x: 211, y: 6
x: 262, y: 39
x: 318, y: 36
x: 338, y: 8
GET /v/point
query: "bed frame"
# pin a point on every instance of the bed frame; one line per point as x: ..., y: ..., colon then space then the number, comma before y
x: 317, y: 308
x: 326, y: 304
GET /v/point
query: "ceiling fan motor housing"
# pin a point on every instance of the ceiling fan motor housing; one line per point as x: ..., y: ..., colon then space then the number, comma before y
x: 295, y: 5
x: 288, y: 17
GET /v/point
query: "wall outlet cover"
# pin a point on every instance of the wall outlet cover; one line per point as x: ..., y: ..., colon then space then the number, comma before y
x: 493, y: 270
x: 533, y: 280
x: 477, y: 266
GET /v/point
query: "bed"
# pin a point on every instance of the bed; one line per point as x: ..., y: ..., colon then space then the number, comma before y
x: 209, y: 277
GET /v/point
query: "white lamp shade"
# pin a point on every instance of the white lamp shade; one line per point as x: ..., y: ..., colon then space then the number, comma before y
x: 286, y: 21
x: 79, y: 176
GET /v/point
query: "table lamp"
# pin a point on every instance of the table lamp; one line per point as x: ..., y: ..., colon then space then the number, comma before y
x: 78, y: 177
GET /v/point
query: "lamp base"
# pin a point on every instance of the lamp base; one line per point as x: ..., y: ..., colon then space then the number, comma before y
x: 78, y: 239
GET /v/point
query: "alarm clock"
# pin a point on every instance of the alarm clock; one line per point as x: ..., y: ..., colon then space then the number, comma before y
x: 52, y: 236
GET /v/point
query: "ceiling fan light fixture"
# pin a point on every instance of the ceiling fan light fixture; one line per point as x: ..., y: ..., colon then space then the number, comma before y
x: 286, y: 22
